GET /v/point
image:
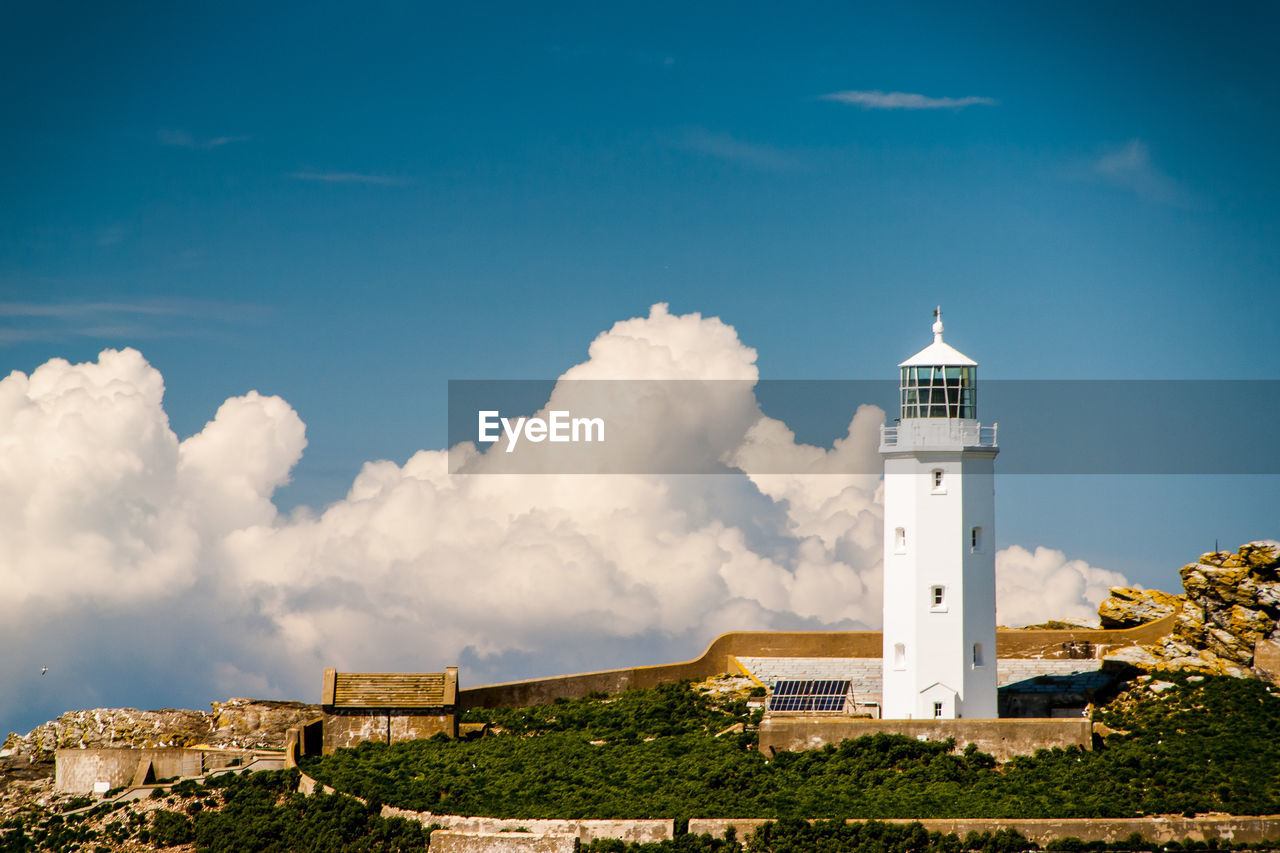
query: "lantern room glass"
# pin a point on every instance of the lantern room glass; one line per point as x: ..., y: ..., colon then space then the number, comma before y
x: 939, y: 391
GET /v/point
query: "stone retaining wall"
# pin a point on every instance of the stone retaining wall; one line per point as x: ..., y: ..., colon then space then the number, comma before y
x: 1001, y: 738
x: 586, y: 830
x: 1158, y: 830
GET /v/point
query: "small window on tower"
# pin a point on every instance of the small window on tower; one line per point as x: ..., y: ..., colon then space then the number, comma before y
x: 975, y: 540
x: 977, y: 655
x: 900, y: 540
x: 937, y: 710
x: 935, y: 478
x: 899, y: 656
x: 937, y: 597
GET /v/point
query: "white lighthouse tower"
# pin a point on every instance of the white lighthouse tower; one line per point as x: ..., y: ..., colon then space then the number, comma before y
x: 939, y: 525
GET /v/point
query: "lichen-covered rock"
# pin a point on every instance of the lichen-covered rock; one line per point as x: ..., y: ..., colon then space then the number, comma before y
x: 249, y: 723
x: 1126, y: 607
x: 1143, y: 657
x: 1220, y: 583
x: 1232, y: 603
x: 114, y: 727
x: 1226, y: 645
x: 1263, y: 557
x: 1172, y: 654
x: 242, y: 723
x: 1189, y: 626
x: 1268, y: 594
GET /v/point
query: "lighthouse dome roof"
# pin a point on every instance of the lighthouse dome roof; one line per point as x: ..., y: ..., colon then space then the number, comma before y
x: 939, y: 353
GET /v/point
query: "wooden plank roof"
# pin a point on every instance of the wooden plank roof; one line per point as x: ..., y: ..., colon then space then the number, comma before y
x: 390, y: 689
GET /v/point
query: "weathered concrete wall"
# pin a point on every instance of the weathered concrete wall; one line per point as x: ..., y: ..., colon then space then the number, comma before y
x: 797, y: 644
x: 344, y: 728
x: 445, y: 841
x: 77, y: 770
x: 1001, y: 738
x: 1158, y: 830
x: 586, y: 830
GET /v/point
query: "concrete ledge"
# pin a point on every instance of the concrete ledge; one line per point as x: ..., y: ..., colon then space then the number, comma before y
x: 1157, y: 830
x: 1001, y: 738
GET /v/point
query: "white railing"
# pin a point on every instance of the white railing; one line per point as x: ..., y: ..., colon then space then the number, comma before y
x: 922, y: 432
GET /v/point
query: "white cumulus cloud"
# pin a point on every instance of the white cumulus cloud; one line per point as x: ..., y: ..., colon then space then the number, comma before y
x: 134, y: 562
x: 1035, y: 586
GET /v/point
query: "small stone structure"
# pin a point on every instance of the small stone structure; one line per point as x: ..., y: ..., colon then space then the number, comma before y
x: 387, y: 707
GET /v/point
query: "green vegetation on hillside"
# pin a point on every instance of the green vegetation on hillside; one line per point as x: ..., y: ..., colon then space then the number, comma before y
x: 664, y: 711
x: 1195, y: 747
x: 255, y: 813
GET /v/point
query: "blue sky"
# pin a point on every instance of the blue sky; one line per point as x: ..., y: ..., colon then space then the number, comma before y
x: 349, y: 206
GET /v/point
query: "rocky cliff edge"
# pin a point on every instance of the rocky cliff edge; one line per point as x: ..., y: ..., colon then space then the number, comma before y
x: 1231, y: 603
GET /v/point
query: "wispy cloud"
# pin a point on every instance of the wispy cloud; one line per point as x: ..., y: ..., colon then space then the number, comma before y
x: 730, y: 149
x: 183, y: 139
x: 22, y: 322
x: 1130, y: 167
x: 349, y: 178
x: 874, y: 99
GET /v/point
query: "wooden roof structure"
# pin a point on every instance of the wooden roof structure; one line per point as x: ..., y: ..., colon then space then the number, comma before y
x: 382, y: 690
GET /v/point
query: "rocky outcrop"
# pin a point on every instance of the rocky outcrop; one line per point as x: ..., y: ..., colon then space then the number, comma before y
x: 1232, y: 602
x: 254, y: 723
x: 242, y: 723
x: 1128, y: 608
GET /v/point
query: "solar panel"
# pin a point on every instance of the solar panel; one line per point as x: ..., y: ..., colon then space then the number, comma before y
x: 809, y: 695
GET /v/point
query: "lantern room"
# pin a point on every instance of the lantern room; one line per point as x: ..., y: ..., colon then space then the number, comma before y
x: 939, y: 381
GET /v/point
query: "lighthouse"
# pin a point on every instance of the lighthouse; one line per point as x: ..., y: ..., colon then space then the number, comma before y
x: 939, y: 525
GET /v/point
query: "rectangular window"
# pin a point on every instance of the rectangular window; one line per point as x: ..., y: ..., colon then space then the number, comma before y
x: 937, y: 597
x: 937, y: 710
x: 975, y: 540
x: 977, y: 655
x: 899, y: 656
x: 937, y: 478
x: 900, y: 539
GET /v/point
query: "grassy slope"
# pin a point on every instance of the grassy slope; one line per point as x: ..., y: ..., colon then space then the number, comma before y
x: 1196, y: 747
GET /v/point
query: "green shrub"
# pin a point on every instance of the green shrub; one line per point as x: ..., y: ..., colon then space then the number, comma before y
x: 170, y: 828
